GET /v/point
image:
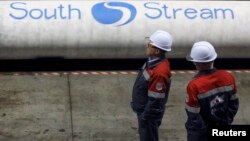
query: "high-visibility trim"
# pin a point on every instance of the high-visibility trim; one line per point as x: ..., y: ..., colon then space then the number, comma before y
x: 144, y: 66
x: 195, y: 110
x: 146, y: 75
x: 234, y: 97
x: 216, y: 91
x: 156, y: 95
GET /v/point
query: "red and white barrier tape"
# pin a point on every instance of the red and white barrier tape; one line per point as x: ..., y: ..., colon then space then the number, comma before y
x: 109, y: 73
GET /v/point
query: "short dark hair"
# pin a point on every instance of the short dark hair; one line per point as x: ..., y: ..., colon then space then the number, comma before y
x: 203, y: 63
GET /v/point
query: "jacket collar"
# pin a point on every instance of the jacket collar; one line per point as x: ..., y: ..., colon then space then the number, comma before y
x: 204, y: 72
x: 152, y: 62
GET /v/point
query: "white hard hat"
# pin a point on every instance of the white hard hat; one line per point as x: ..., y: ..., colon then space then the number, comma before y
x: 162, y: 40
x: 202, y: 52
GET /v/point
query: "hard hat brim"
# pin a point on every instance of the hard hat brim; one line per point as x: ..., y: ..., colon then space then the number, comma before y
x: 189, y: 58
x: 164, y: 49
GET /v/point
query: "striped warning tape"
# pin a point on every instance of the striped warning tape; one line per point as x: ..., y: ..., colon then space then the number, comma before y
x: 109, y: 72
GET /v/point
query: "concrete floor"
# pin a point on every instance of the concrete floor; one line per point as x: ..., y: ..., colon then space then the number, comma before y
x: 68, y: 107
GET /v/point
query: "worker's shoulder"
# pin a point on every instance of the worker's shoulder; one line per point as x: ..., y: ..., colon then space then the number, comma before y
x: 163, y: 67
x: 226, y: 74
x: 222, y: 74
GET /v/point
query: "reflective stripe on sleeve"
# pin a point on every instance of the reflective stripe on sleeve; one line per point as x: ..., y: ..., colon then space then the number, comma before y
x: 144, y: 66
x: 216, y: 91
x: 156, y: 95
x: 195, y: 110
x: 146, y: 75
x: 234, y: 97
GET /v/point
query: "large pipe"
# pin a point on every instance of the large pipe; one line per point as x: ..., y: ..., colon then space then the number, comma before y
x: 97, y: 29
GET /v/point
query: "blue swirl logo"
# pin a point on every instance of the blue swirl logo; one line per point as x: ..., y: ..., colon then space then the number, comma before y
x: 118, y: 13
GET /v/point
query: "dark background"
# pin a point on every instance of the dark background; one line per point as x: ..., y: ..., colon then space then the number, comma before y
x: 60, y: 64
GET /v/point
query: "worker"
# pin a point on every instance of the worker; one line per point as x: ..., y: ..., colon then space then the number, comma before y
x: 151, y: 87
x: 211, y: 98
